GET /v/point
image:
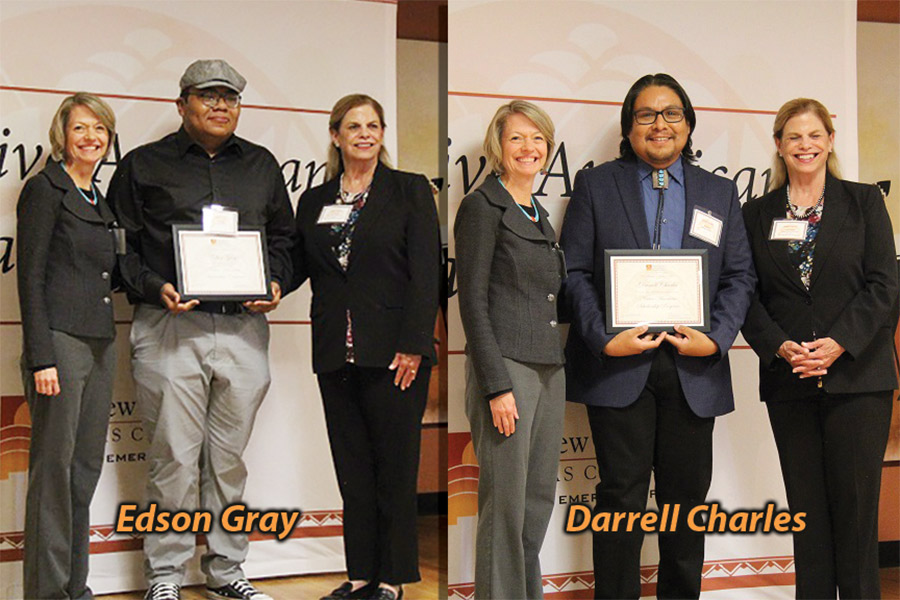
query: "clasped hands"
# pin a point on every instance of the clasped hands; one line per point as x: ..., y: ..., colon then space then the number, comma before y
x: 810, y: 359
x: 687, y: 340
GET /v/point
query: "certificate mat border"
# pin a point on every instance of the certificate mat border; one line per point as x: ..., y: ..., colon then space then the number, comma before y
x: 610, y: 255
x: 176, y: 242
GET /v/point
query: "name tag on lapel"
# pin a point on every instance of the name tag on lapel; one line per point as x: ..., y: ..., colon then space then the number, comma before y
x: 218, y: 219
x: 706, y: 227
x: 333, y: 214
x: 788, y: 229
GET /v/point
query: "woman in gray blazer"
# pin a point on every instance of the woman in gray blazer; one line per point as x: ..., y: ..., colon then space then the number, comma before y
x: 510, y: 270
x: 66, y: 257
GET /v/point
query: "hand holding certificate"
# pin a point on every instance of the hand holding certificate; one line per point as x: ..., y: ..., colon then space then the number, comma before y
x: 659, y: 289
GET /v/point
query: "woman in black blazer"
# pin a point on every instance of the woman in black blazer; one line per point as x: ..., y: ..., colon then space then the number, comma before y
x: 510, y: 270
x: 822, y: 322
x: 66, y: 258
x: 368, y: 241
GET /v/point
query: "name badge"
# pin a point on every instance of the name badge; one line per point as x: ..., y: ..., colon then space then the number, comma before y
x: 334, y: 213
x: 218, y: 219
x: 706, y: 227
x: 788, y: 229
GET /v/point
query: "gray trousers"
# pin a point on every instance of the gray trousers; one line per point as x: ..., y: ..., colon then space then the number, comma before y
x: 68, y: 434
x: 517, y: 480
x: 199, y: 380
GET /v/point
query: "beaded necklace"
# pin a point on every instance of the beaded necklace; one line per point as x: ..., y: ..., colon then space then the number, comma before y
x: 808, y: 210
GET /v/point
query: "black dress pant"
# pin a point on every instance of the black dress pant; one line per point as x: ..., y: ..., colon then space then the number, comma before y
x: 657, y: 432
x: 831, y: 449
x: 374, y: 430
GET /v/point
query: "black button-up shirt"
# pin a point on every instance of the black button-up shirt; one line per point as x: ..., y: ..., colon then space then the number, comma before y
x: 170, y: 181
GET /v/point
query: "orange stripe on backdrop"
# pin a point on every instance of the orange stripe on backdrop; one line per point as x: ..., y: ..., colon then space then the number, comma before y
x: 579, y: 586
x: 135, y: 542
x: 748, y: 111
x: 16, y: 88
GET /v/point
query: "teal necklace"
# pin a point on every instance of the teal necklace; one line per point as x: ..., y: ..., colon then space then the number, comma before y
x: 92, y: 200
x: 537, y: 214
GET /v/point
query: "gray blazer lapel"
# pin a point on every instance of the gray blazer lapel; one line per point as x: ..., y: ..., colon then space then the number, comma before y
x: 546, y: 228
x: 513, y: 218
x: 72, y: 199
x: 105, y: 212
x: 630, y: 195
x: 77, y: 205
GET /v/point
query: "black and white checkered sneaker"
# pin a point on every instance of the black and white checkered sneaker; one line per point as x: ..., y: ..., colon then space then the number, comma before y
x: 239, y: 589
x: 163, y: 591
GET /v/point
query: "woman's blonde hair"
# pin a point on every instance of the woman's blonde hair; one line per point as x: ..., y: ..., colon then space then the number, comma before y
x: 61, y: 119
x: 335, y: 165
x: 788, y: 111
x: 493, y: 138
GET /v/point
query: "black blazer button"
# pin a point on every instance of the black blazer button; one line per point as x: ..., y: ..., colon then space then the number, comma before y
x: 550, y: 297
x: 106, y: 300
x: 104, y: 275
x: 553, y: 323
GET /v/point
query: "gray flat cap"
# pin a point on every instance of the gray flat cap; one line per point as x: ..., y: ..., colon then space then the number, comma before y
x: 210, y: 73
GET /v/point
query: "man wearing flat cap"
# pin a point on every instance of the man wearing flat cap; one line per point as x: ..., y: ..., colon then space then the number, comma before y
x: 200, y: 368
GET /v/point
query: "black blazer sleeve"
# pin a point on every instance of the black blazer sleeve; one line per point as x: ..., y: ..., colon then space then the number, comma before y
x: 424, y: 264
x: 871, y: 309
x: 37, y: 211
x: 300, y: 269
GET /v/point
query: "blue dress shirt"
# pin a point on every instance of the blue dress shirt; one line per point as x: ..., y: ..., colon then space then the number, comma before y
x: 672, y: 225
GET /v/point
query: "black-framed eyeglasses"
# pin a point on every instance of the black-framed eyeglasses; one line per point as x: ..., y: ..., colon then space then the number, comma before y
x: 645, y: 116
x: 211, y: 99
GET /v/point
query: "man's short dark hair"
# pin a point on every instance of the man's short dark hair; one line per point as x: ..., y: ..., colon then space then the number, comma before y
x: 625, y: 149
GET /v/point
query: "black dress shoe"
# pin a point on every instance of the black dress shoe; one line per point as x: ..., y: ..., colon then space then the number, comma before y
x: 346, y: 592
x: 383, y: 593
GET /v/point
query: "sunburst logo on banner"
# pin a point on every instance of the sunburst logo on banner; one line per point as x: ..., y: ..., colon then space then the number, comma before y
x: 462, y: 477
x: 15, y: 433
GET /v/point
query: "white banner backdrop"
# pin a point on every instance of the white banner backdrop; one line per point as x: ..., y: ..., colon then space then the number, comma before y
x: 739, y: 62
x: 298, y: 58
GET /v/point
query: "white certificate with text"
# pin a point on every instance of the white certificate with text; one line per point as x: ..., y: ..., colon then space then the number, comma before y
x: 658, y: 288
x: 221, y: 266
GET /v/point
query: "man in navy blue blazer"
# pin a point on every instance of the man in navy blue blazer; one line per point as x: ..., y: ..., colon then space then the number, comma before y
x: 652, y: 399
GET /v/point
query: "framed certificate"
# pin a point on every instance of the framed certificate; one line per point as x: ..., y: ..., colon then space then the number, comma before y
x: 659, y: 288
x: 221, y: 266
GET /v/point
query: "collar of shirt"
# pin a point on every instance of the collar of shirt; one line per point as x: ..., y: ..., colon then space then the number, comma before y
x: 185, y: 143
x: 676, y: 171
x: 673, y: 206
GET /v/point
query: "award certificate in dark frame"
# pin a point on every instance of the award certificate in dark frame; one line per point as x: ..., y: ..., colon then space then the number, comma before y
x: 221, y: 266
x: 657, y: 288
